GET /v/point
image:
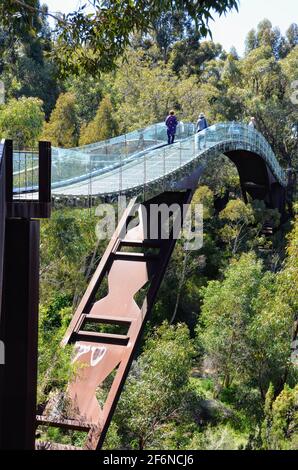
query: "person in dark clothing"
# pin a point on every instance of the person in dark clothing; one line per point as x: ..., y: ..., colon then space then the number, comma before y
x: 171, y: 123
x: 202, y: 123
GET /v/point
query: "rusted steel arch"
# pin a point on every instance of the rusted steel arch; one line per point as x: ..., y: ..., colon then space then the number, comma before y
x: 257, y: 179
x: 132, y: 262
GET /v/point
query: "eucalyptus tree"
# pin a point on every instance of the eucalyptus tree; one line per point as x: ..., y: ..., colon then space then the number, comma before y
x: 98, y: 32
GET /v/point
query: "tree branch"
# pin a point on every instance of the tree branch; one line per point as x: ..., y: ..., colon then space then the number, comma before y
x: 38, y: 10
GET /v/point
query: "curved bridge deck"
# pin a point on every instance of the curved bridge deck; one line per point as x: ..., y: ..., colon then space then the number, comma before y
x: 86, y: 172
x: 163, y: 166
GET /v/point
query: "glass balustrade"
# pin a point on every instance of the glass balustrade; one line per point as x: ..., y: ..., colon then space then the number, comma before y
x: 139, y: 158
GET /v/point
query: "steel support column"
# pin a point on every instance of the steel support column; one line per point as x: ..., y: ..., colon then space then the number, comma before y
x: 20, y: 292
x: 20, y: 332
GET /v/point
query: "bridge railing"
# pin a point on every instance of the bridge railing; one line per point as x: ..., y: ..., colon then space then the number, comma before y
x: 244, y: 134
x: 25, y: 170
x: 127, y: 164
x: 161, y: 163
x: 77, y: 164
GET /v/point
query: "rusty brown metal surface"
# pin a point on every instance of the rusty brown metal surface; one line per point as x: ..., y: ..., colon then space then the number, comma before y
x: 2, y: 214
x: 2, y: 237
x: 19, y: 330
x: 20, y: 292
x: 131, y: 261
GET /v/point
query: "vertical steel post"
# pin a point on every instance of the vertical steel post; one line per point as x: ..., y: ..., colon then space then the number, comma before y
x: 44, y: 172
x: 19, y: 330
x: 2, y: 214
x: 8, y: 155
x: 2, y: 247
x: 20, y: 296
x: 44, y: 176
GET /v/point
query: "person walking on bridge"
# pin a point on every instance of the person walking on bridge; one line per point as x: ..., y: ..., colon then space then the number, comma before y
x: 171, y: 123
x: 253, y: 123
x: 202, y: 123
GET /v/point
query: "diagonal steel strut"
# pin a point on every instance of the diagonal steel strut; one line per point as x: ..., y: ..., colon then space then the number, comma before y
x: 132, y: 261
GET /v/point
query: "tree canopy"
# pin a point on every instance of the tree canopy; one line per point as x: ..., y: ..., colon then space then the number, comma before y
x: 22, y: 120
x: 92, y: 40
x: 62, y: 129
x: 216, y: 367
x: 103, y: 126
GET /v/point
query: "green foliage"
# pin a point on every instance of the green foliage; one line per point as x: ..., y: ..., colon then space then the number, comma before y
x: 266, y: 96
x: 22, y: 120
x: 157, y: 386
x: 267, y: 36
x: 53, y: 316
x: 192, y: 56
x: 242, y: 224
x: 93, y: 41
x: 162, y: 403
x: 239, y: 216
x: 204, y: 196
x: 103, y: 126
x: 247, y: 316
x: 63, y: 127
x: 273, y: 318
x: 221, y: 437
x: 169, y: 27
x: 112, y: 440
x: 144, y: 94
x: 225, y: 316
x: 34, y: 79
x: 54, y: 363
x: 280, y: 427
x: 25, y: 65
x: 240, y: 316
x: 288, y: 277
x: 68, y: 242
x: 220, y: 176
x: 88, y: 92
x: 22, y: 16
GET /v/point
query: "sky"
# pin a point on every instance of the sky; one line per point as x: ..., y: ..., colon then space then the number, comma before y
x: 229, y: 30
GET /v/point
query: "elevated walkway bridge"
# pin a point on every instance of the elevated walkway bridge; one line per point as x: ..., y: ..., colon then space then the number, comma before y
x: 133, y: 265
x: 141, y: 161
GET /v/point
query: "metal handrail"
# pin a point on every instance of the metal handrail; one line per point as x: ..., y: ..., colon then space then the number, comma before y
x: 103, y: 171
